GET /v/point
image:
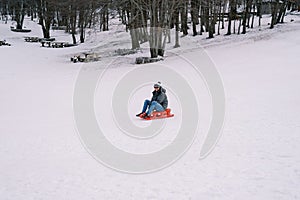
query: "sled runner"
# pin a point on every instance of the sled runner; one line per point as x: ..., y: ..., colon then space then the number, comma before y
x: 158, y: 115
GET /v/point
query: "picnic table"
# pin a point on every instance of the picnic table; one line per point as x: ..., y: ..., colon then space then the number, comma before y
x: 46, y: 41
x: 37, y: 39
x: 59, y: 44
x: 49, y: 43
x: 20, y: 30
x: 59, y: 27
x: 3, y: 42
x: 31, y: 39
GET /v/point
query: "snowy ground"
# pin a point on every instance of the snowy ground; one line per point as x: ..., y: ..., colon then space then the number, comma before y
x: 257, y: 156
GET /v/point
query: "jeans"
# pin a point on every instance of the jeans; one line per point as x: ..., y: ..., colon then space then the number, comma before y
x: 154, y: 105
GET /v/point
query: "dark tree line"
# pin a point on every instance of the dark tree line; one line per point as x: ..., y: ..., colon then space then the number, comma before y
x: 74, y: 15
x: 151, y: 20
x: 147, y: 20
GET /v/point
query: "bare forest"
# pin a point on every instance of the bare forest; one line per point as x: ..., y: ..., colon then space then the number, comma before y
x: 147, y: 20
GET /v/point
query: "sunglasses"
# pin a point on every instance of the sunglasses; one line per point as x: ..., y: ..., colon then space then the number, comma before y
x: 156, y: 87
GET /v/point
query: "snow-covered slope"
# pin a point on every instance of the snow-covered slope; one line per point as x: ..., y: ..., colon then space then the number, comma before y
x: 257, y: 156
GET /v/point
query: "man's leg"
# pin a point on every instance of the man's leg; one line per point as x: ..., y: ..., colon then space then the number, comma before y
x: 146, y: 104
x: 155, y: 106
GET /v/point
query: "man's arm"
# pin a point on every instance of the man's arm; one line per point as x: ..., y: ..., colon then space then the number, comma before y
x: 161, y: 98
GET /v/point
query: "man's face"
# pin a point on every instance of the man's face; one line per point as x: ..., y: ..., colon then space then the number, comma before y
x: 156, y: 88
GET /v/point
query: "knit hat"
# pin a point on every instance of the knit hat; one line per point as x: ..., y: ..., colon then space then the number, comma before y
x: 158, y: 84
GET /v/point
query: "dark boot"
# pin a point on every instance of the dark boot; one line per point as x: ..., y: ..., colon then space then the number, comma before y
x: 146, y: 116
x: 138, y: 115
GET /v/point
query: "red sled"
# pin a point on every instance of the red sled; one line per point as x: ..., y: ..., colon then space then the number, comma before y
x: 158, y: 115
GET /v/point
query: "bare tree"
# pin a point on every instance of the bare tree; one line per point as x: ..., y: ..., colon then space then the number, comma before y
x: 19, y: 10
x: 195, y: 9
x: 46, y: 15
x: 232, y: 14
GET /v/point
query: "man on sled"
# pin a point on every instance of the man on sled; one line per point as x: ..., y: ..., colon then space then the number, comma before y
x: 158, y: 103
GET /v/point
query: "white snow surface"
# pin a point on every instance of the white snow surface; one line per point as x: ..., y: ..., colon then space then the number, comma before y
x: 257, y: 156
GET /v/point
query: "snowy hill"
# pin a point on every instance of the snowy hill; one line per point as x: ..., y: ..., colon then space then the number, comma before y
x: 43, y: 153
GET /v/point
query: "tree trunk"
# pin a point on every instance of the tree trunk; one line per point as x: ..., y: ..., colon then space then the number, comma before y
x: 19, y: 10
x: 223, y: 13
x: 259, y: 4
x: 252, y: 22
x: 234, y: 28
x: 274, y: 9
x: 240, y: 24
x: 133, y: 27
x: 134, y: 39
x: 282, y: 10
x: 195, y: 15
x: 46, y: 12
x: 82, y: 34
x: 176, y: 16
x: 183, y: 12
x: 82, y: 22
x: 211, y: 20
x: 231, y: 15
x: 245, y: 16
x: 219, y: 16
x: 73, y: 18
